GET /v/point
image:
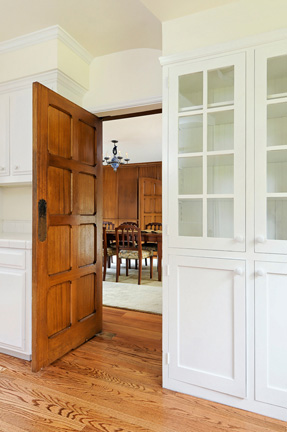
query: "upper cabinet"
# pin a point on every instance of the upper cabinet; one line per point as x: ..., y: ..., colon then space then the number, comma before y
x: 16, y: 136
x: 271, y: 149
x: 207, y: 154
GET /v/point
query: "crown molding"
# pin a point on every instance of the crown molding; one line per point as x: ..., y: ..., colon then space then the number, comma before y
x: 53, y: 78
x: 223, y: 48
x: 44, y: 35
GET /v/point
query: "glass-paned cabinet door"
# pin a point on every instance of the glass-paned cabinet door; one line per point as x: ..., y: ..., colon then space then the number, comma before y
x: 271, y: 149
x: 206, y: 188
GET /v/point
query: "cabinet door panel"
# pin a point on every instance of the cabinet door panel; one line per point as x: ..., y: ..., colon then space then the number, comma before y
x: 207, y: 323
x: 4, y: 135
x: 270, y: 333
x: 12, y: 309
x: 271, y: 149
x: 21, y: 131
x: 207, y: 154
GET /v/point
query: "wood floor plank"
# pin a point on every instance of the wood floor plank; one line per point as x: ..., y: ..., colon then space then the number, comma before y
x: 112, y: 384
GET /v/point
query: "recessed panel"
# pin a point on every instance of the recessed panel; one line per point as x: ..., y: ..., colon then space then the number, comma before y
x: 59, y: 245
x: 86, y: 250
x: 59, y: 133
x: 87, y: 140
x: 86, y: 296
x: 59, y: 190
x: 58, y: 308
x: 206, y: 325
x: 85, y: 194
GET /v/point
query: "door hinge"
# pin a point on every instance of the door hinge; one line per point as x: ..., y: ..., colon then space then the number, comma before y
x: 167, y: 358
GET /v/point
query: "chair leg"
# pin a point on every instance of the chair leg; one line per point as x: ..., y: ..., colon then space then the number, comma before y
x: 145, y: 260
x: 128, y: 263
x: 136, y: 264
x: 109, y: 262
x: 140, y: 272
x: 118, y: 269
x: 151, y: 266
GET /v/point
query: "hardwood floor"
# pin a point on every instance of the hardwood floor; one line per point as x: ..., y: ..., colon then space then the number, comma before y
x: 112, y: 384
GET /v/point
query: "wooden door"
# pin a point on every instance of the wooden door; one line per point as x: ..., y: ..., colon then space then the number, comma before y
x: 67, y: 226
x: 150, y: 201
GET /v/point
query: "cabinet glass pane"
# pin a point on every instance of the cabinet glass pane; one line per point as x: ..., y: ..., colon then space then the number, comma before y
x: 221, y: 86
x: 190, y: 134
x: 190, y: 91
x: 190, y: 175
x: 220, y: 174
x: 190, y: 217
x: 277, y: 171
x: 277, y: 77
x: 277, y: 124
x: 220, y: 217
x: 277, y: 218
x: 220, y: 132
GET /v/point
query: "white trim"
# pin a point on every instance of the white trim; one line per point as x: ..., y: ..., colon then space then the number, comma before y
x: 44, y: 35
x: 53, y: 76
x: 223, y: 48
x: 124, y: 105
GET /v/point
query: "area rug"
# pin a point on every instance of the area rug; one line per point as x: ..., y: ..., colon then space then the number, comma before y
x: 127, y: 294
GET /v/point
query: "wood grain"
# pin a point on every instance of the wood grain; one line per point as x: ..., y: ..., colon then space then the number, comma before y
x: 112, y: 383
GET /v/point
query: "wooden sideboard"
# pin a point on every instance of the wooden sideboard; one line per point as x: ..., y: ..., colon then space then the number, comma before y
x: 121, y: 195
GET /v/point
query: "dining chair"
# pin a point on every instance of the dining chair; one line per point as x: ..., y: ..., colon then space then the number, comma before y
x: 154, y: 226
x: 108, y: 252
x: 129, y: 246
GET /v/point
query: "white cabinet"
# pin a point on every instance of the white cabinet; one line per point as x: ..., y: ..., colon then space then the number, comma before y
x: 21, y: 132
x: 16, y: 136
x: 207, y: 156
x: 15, y: 302
x: 271, y: 148
x: 4, y: 135
x: 270, y: 333
x: 207, y: 323
x: 225, y: 239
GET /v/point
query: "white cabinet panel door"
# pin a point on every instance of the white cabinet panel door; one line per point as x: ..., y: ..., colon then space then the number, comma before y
x: 12, y: 309
x: 207, y: 323
x: 21, y: 131
x: 4, y: 135
x: 207, y: 154
x: 271, y: 333
x: 271, y: 149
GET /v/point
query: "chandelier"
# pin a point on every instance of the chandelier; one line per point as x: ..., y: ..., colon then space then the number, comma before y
x: 115, y: 161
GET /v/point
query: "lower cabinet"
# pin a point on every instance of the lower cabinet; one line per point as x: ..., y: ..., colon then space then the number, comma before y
x: 270, y: 333
x: 207, y: 323
x: 15, y: 302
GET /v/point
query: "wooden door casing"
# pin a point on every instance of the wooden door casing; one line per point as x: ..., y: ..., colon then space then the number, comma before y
x: 150, y: 201
x: 67, y: 252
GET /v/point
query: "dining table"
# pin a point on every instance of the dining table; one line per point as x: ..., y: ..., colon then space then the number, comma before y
x: 147, y: 236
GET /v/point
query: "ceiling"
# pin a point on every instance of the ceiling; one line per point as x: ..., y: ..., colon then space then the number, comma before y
x: 100, y: 26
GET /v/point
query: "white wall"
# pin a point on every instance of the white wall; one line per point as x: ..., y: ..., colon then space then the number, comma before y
x: 124, y: 79
x: 223, y: 24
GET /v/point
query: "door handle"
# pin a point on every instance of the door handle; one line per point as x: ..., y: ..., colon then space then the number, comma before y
x: 42, y: 220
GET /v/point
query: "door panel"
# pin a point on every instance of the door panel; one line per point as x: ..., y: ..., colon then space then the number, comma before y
x: 270, y: 333
x: 67, y: 182
x: 207, y: 323
x: 150, y: 200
